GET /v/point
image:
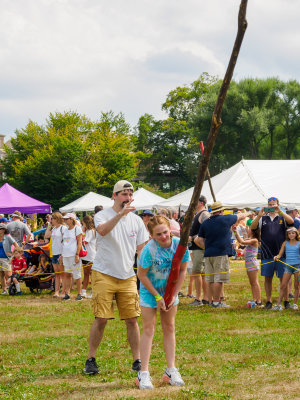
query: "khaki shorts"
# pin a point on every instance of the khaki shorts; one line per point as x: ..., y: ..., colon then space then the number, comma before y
x: 198, y: 262
x: 5, y: 265
x: 105, y: 287
x: 217, y: 269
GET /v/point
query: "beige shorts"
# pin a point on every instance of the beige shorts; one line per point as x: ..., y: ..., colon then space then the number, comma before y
x: 198, y: 262
x: 105, y: 287
x: 5, y: 265
x: 71, y: 267
x: 217, y: 269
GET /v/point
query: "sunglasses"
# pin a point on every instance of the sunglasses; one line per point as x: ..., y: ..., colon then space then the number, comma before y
x: 272, y: 198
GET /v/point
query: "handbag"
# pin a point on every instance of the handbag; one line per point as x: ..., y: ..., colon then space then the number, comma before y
x: 83, y: 250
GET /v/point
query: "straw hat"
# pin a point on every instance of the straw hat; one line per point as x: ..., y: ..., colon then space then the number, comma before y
x: 216, y: 207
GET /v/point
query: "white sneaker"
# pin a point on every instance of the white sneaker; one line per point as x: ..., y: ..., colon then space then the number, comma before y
x: 277, y: 308
x: 83, y: 293
x: 173, y: 377
x: 295, y: 306
x: 90, y: 296
x: 143, y: 380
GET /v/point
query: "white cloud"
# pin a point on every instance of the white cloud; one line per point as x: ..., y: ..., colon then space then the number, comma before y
x: 96, y: 55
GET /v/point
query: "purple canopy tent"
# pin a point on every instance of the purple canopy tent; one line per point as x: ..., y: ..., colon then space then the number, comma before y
x: 11, y: 200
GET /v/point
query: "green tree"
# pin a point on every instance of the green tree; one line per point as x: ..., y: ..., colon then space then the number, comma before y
x: 71, y: 156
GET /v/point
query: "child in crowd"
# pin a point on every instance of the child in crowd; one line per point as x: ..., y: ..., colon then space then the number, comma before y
x: 251, y: 261
x: 42, y: 267
x: 153, y: 272
x: 292, y: 252
x: 18, y: 264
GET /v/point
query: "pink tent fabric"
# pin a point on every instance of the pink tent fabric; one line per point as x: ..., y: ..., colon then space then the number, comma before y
x: 12, y: 199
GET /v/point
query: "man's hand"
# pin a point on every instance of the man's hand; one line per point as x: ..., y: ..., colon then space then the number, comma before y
x: 127, y: 208
x: 277, y: 209
x: 261, y: 212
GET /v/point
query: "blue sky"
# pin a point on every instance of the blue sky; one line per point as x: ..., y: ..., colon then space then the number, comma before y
x: 126, y: 55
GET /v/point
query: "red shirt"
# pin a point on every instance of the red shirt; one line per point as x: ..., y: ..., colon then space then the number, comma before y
x: 18, y: 264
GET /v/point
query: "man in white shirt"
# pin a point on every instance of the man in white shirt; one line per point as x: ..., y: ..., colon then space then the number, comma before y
x: 121, y: 234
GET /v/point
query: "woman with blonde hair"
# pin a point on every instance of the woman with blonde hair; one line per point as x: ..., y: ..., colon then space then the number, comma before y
x: 154, y: 269
x: 72, y: 242
x: 55, y: 231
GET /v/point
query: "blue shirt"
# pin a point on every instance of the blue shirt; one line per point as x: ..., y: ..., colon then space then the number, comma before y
x: 292, y: 253
x: 158, y: 259
x: 2, y: 252
x: 217, y: 235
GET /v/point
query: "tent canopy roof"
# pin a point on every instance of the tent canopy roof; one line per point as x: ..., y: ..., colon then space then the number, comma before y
x: 12, y: 199
x: 88, y: 202
x: 144, y: 199
x: 249, y: 183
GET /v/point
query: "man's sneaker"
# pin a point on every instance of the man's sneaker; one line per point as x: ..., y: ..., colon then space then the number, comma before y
x: 83, y: 293
x: 143, y: 380
x: 259, y: 304
x: 295, y: 306
x: 291, y: 296
x: 180, y: 294
x: 220, y: 305
x: 268, y: 305
x: 173, y: 377
x: 4, y: 292
x: 91, y: 367
x: 190, y: 296
x: 78, y: 297
x: 136, y: 366
x: 277, y: 308
x: 205, y: 302
x: 287, y: 305
x: 19, y: 293
x: 66, y: 297
x: 196, y: 303
x: 90, y: 296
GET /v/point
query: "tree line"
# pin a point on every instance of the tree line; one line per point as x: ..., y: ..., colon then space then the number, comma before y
x: 71, y: 155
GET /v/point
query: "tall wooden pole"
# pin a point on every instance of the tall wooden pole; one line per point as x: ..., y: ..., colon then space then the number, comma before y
x: 214, y: 129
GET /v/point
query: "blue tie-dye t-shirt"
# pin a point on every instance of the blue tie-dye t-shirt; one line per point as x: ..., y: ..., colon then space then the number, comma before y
x: 158, y: 259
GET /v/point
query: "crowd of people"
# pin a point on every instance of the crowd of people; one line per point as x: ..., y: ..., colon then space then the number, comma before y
x: 109, y: 244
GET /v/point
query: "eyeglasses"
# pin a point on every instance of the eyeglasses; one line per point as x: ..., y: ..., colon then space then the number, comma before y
x: 272, y: 198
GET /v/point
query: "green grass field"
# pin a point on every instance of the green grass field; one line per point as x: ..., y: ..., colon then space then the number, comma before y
x: 236, y: 353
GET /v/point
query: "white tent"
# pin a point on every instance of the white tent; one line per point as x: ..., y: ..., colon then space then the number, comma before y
x: 87, y: 203
x: 143, y: 199
x: 249, y: 183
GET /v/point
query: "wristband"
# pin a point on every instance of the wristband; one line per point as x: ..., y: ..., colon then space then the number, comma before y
x: 158, y: 297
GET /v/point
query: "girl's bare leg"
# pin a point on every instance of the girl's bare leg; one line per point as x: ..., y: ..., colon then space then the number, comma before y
x: 168, y: 327
x: 283, y: 286
x: 149, y: 322
x: 255, y: 287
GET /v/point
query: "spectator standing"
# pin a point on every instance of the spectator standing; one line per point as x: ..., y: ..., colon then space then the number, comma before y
x: 215, y: 236
x: 198, y: 254
x: 292, y: 249
x: 293, y: 212
x: 251, y: 261
x: 89, y: 239
x: 56, y: 230
x: 120, y: 233
x: 146, y: 215
x: 18, y: 229
x: 272, y: 226
x: 6, y: 243
x: 72, y: 242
